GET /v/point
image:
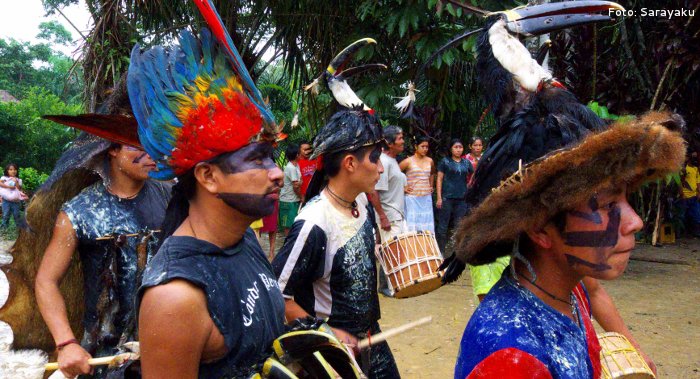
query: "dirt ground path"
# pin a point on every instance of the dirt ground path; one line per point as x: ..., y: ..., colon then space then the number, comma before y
x: 659, y: 301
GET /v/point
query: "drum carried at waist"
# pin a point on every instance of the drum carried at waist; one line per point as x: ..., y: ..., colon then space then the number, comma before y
x: 620, y: 360
x: 410, y: 262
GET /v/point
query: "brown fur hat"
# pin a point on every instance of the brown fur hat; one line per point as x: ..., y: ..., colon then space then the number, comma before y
x: 630, y: 152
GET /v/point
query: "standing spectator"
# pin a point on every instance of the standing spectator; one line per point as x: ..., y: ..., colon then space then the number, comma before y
x: 691, y: 194
x: 307, y: 167
x: 270, y: 227
x: 451, y: 188
x: 388, y: 196
x: 476, y: 147
x: 12, y: 196
x: 290, y: 197
x: 420, y: 171
x: 484, y: 277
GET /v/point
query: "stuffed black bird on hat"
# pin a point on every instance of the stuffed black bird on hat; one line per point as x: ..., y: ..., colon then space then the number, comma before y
x: 535, y: 113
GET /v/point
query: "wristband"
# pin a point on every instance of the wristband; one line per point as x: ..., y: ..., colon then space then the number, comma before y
x: 66, y: 343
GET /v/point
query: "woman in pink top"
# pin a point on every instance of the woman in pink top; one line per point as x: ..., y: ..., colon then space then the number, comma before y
x: 420, y: 172
x: 476, y: 147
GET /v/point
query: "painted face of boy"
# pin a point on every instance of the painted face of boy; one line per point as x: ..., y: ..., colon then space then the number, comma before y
x: 599, y: 235
x: 253, y: 180
x: 133, y: 162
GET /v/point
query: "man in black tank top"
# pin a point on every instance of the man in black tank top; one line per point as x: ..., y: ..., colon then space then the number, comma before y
x: 209, y: 305
x: 114, y: 226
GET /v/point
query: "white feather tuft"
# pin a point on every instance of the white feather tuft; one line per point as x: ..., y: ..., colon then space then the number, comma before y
x: 6, y: 337
x: 406, y: 101
x: 23, y: 364
x: 515, y: 58
x: 313, y: 87
x: 57, y: 375
x: 295, y: 120
x: 344, y: 95
x: 4, y: 288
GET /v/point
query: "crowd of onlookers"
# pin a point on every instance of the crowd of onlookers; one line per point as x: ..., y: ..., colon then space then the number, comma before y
x: 409, y: 190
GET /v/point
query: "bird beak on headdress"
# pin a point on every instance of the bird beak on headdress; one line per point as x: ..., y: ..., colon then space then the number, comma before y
x: 338, y: 63
x: 120, y: 129
x: 336, y: 74
x: 349, y: 72
x: 540, y: 19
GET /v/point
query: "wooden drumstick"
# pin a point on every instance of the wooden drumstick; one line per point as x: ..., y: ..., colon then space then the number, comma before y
x: 383, y: 336
x: 53, y: 366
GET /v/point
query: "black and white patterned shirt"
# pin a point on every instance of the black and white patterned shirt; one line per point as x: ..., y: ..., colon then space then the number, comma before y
x: 327, y: 264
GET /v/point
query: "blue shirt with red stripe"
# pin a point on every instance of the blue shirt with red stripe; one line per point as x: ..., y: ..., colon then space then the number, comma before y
x: 516, y: 334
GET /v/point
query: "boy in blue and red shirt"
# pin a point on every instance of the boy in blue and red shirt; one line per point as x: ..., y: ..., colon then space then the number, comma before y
x: 564, y: 217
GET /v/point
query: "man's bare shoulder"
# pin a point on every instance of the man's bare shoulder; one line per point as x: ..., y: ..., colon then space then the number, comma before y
x: 176, y: 295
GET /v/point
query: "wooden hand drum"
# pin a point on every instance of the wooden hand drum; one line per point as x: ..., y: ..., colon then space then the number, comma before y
x: 410, y: 262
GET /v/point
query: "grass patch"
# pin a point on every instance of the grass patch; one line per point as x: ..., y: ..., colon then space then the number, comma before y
x: 9, y: 233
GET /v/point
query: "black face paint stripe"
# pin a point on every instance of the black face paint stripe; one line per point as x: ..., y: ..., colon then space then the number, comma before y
x: 605, y: 238
x: 255, y: 205
x: 139, y: 158
x: 574, y: 261
x: 594, y: 216
x: 256, y: 156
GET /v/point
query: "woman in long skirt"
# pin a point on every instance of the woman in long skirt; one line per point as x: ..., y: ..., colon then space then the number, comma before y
x: 420, y: 172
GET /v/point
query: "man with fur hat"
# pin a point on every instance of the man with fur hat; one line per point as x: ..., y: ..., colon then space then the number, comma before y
x: 327, y: 267
x: 113, y: 225
x: 565, y: 217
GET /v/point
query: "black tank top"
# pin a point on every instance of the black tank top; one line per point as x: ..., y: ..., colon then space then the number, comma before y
x: 243, y: 297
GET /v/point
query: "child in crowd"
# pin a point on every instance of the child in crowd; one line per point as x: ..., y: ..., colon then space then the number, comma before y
x: 12, y: 196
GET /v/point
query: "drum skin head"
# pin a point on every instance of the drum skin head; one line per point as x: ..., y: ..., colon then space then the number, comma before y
x: 420, y: 287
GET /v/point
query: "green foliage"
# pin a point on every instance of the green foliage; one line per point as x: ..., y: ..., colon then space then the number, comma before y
x: 29, y: 140
x: 31, y: 178
x: 53, y: 31
x: 603, y: 112
x: 24, y: 65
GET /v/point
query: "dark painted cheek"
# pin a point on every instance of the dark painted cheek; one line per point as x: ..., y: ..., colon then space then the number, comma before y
x: 574, y: 261
x: 592, y: 216
x: 236, y: 166
x: 257, y: 206
x: 605, y: 238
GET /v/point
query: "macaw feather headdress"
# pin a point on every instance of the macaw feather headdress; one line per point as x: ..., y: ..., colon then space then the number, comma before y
x: 196, y: 100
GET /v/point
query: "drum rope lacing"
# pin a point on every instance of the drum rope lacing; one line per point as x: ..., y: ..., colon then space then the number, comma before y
x: 394, y: 263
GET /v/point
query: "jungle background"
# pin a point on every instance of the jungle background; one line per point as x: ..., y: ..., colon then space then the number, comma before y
x: 627, y: 67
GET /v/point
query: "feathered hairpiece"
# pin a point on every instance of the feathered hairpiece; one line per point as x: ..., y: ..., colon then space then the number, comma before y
x: 196, y: 100
x: 355, y: 124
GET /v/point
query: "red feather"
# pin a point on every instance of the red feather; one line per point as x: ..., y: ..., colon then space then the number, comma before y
x: 206, y: 8
x: 230, y: 126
